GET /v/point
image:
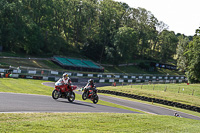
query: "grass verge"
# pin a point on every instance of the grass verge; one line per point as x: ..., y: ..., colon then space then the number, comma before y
x: 95, y: 122
x: 186, y: 94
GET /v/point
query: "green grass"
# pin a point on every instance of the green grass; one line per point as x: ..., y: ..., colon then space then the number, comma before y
x: 158, y: 91
x: 23, y: 55
x: 28, y: 86
x: 84, y: 122
x: 123, y: 69
x: 137, y: 70
x: 11, y: 54
x: 96, y: 122
x: 44, y: 64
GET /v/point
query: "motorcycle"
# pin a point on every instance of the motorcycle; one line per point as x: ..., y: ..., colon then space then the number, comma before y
x: 92, y: 95
x: 64, y: 91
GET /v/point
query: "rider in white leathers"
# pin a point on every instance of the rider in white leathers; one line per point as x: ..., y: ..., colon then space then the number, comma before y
x: 66, y: 79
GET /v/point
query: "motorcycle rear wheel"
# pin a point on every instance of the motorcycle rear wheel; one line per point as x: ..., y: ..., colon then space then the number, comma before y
x: 55, y: 94
x: 71, y: 97
x: 96, y: 99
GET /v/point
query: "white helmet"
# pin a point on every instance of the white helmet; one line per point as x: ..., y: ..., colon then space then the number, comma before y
x: 65, y: 75
x: 90, y: 81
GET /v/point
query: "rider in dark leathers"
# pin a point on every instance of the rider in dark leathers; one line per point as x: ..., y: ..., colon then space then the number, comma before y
x: 90, y: 86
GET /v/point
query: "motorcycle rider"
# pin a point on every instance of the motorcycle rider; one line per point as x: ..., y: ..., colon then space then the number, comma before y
x: 66, y: 80
x: 176, y: 115
x: 90, y: 86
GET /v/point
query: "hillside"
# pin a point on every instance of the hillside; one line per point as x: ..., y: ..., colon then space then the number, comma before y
x: 46, y: 63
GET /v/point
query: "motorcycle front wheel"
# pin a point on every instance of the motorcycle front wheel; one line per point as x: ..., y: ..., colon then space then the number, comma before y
x: 84, y: 96
x: 55, y: 94
x: 71, y: 97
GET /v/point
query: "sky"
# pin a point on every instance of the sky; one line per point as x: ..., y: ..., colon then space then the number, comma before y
x: 182, y: 16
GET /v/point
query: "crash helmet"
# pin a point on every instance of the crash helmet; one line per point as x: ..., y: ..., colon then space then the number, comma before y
x: 65, y: 75
x: 90, y: 81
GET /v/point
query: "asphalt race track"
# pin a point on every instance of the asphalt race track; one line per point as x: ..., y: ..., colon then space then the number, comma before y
x: 11, y: 102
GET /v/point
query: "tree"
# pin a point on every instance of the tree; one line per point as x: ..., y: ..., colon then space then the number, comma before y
x: 167, y: 45
x: 193, y: 56
x: 145, y: 24
x: 109, y: 20
x: 125, y: 43
x: 180, y: 51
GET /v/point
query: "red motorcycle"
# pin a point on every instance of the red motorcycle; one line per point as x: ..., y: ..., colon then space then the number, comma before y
x: 63, y: 91
x: 92, y: 94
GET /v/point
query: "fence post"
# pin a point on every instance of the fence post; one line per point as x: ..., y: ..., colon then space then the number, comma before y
x: 165, y: 88
x: 193, y: 92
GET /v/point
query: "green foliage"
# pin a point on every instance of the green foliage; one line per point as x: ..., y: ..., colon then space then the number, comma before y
x: 100, y: 30
x: 193, y: 57
x: 167, y: 45
x: 181, y: 49
x: 126, y: 43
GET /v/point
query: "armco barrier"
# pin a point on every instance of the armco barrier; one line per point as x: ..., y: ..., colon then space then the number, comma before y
x: 51, y: 78
x: 108, y: 77
x: 155, y: 100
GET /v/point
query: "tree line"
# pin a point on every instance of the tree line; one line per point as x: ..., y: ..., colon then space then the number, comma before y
x: 188, y: 53
x: 102, y: 30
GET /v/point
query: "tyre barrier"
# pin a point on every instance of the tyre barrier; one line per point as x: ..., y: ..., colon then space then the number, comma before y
x: 155, y: 100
